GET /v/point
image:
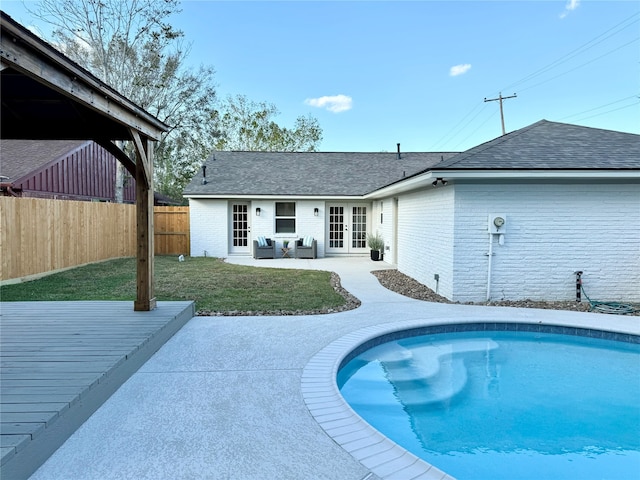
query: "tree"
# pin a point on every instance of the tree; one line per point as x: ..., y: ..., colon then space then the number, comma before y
x: 249, y: 126
x: 131, y: 46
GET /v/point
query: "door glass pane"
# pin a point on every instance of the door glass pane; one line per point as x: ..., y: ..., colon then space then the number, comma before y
x: 359, y: 227
x: 240, y: 225
x: 336, y: 227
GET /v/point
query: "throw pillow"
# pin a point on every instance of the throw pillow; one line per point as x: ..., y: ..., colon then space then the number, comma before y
x: 262, y: 242
x: 308, y: 241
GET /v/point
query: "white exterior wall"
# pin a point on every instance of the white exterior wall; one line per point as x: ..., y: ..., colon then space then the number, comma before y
x: 383, y: 210
x: 551, y: 231
x: 210, y: 224
x: 425, y: 237
x: 306, y: 222
x: 209, y: 227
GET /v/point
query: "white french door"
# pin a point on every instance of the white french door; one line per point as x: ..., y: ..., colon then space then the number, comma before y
x: 346, y: 228
x: 240, y: 229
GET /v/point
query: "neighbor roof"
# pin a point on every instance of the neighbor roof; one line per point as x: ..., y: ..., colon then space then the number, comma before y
x: 306, y: 173
x: 550, y: 146
x: 22, y: 157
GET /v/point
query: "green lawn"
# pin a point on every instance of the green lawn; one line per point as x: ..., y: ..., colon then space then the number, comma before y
x: 215, y: 286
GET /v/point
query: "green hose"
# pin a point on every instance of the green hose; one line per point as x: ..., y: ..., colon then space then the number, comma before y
x: 608, y: 307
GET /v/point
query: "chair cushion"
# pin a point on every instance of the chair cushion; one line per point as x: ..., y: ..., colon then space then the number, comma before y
x: 307, y: 241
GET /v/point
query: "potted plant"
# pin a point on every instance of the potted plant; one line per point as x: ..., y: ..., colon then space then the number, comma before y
x: 285, y: 243
x: 376, y: 244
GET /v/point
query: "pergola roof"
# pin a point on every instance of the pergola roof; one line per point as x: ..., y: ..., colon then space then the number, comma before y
x: 47, y: 96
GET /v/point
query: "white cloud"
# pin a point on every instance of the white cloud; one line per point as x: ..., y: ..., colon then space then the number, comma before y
x: 459, y: 69
x: 333, y: 103
x: 570, y: 7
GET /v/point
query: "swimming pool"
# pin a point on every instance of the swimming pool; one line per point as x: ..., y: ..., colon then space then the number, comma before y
x: 483, y: 403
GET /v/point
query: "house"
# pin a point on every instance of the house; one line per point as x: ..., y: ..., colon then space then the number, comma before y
x: 61, y: 169
x: 513, y: 218
x: 64, y: 170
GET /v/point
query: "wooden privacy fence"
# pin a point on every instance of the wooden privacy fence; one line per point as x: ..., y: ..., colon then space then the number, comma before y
x: 171, y: 231
x: 43, y: 235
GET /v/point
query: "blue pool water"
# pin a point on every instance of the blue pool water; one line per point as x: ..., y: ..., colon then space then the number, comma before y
x: 505, y: 405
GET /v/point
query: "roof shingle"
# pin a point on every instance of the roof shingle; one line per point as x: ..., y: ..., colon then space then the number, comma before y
x: 307, y: 173
x: 550, y: 146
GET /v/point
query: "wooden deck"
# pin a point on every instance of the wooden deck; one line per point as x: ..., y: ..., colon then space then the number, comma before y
x: 59, y: 361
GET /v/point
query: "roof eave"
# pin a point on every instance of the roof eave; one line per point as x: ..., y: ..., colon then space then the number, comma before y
x: 222, y: 196
x: 426, y: 179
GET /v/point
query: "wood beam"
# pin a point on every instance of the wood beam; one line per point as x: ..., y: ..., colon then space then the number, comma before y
x: 143, y: 155
x: 38, y: 60
x: 145, y: 295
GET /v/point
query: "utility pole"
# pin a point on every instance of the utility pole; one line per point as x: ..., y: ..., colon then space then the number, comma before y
x: 501, y: 98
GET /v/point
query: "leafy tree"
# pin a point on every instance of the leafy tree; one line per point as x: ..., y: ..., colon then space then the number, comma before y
x: 249, y: 126
x: 131, y: 46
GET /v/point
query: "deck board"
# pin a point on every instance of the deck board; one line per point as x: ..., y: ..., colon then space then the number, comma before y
x: 59, y: 361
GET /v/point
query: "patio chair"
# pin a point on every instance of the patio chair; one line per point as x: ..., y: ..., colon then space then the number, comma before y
x: 306, y: 247
x: 264, y: 248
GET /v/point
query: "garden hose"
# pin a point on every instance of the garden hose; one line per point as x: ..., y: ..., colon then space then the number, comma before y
x: 608, y: 307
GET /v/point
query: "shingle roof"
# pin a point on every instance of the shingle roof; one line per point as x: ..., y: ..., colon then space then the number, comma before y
x: 307, y: 173
x: 542, y: 146
x: 550, y: 146
x: 22, y: 157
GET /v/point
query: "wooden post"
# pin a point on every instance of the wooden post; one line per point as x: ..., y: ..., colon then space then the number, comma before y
x: 145, y: 299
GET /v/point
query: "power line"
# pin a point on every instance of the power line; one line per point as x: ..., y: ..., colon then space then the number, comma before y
x: 581, y: 65
x: 582, y: 48
x: 493, y: 114
x: 446, y: 135
x: 616, y: 29
x: 608, y: 111
x: 601, y: 106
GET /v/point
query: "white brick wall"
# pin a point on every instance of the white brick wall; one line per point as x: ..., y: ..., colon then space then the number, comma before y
x: 425, y: 237
x: 210, y: 224
x: 209, y: 227
x: 308, y: 224
x: 386, y: 227
x: 552, y: 230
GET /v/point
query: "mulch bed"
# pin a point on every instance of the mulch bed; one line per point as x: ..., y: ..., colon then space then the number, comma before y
x: 407, y: 286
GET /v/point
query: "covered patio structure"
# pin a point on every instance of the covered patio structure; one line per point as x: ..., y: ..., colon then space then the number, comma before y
x: 60, y: 361
x: 46, y: 96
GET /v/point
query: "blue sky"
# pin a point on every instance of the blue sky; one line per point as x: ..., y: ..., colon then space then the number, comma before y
x: 376, y: 74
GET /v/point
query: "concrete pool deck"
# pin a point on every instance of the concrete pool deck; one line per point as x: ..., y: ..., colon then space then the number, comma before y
x: 223, y: 398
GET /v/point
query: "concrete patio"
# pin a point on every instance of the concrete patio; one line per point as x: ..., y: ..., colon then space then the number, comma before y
x: 222, y: 399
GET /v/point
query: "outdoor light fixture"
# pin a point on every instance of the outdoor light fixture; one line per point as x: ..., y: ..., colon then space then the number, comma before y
x: 258, y: 211
x: 439, y: 180
x: 316, y: 211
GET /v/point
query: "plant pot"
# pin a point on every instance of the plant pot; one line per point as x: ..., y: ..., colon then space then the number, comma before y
x: 375, y: 255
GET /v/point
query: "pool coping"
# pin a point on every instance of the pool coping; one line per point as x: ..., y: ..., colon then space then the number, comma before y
x: 379, y: 454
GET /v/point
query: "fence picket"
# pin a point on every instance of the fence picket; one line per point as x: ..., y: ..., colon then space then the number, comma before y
x: 42, y: 235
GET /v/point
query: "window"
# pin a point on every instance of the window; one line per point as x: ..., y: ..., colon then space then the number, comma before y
x: 285, y: 217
